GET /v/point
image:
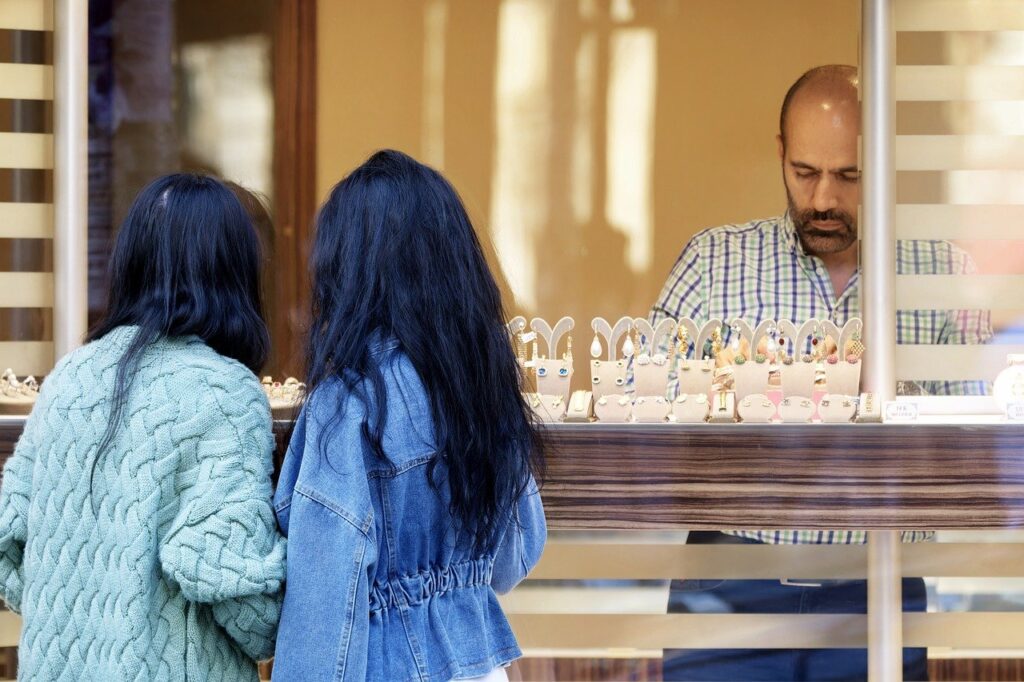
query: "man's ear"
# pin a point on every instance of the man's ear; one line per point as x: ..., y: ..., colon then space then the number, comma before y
x: 782, y: 146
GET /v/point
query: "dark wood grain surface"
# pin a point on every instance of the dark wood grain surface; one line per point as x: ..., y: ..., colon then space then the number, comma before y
x: 786, y: 476
x: 869, y: 476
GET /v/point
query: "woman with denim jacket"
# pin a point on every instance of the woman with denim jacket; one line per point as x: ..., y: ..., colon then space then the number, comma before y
x: 407, y: 493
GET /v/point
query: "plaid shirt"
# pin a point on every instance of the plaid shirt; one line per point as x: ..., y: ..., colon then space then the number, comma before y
x: 760, y: 271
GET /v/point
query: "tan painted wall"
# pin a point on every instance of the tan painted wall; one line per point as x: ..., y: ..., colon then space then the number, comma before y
x: 722, y: 68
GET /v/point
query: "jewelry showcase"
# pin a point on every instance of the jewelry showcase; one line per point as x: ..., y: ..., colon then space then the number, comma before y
x: 676, y: 372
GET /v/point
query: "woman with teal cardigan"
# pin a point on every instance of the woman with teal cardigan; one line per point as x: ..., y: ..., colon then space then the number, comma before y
x: 137, y: 537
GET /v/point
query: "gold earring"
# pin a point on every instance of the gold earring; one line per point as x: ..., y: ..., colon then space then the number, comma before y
x: 684, y: 341
x: 716, y: 343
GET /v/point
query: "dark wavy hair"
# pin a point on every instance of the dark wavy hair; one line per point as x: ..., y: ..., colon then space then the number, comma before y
x: 186, y: 262
x: 395, y: 256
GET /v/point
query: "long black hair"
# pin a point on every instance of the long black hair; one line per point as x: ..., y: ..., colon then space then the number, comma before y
x: 395, y: 256
x: 186, y: 262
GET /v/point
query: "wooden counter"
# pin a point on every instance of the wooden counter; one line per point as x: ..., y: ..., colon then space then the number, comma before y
x: 852, y: 476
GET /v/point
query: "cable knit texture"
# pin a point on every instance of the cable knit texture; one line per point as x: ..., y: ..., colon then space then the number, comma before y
x: 170, y: 566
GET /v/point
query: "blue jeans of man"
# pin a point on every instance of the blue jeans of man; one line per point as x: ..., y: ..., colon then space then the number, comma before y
x: 772, y: 596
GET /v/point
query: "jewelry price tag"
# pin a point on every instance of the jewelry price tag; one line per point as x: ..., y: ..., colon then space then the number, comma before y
x: 900, y: 411
x: 529, y: 336
x: 1015, y: 412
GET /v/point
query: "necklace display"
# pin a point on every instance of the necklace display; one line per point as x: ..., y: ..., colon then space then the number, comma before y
x: 17, y: 397
x: 285, y: 398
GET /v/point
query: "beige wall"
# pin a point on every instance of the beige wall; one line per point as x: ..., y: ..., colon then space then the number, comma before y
x: 509, y: 110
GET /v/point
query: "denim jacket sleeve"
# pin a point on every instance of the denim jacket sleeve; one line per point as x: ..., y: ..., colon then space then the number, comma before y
x: 523, y: 542
x: 331, y: 555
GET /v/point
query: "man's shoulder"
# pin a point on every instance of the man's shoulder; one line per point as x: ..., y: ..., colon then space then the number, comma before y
x: 736, y: 236
x: 739, y: 231
x: 932, y: 257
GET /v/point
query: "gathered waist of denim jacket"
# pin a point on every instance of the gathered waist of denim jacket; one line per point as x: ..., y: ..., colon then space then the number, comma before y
x: 409, y: 590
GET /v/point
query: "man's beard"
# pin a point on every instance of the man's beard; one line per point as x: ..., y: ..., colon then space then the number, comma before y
x: 820, y: 242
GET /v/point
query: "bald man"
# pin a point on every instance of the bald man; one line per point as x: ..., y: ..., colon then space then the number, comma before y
x: 802, y: 265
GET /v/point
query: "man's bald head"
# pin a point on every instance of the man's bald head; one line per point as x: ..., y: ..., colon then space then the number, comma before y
x: 833, y: 83
x: 817, y: 141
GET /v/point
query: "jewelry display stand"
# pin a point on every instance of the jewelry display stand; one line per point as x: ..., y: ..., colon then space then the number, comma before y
x: 723, y: 407
x: 796, y: 410
x: 17, y: 397
x: 842, y: 368
x: 694, y: 376
x: 608, y: 377
x: 651, y: 369
x: 285, y: 397
x: 768, y: 374
x: 553, y: 375
x: 798, y: 368
x: 836, y: 409
x: 757, y: 408
x: 750, y: 365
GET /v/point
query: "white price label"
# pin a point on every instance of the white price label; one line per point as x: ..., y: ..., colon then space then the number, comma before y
x: 1015, y: 412
x: 900, y: 411
x: 529, y: 336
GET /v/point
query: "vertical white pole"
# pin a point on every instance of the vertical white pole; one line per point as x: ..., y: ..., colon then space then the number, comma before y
x: 878, y: 245
x: 878, y: 276
x: 70, y: 173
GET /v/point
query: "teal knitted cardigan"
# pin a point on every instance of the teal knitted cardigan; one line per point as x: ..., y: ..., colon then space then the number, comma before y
x: 171, y: 566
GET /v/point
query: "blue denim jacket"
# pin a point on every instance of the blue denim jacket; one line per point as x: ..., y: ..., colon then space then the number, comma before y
x: 377, y: 588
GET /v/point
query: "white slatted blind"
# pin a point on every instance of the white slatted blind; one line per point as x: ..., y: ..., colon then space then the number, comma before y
x: 21, y: 151
x: 959, y: 155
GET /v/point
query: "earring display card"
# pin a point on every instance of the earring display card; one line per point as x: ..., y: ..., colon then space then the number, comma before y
x: 796, y: 410
x: 650, y: 410
x: 650, y: 376
x: 836, y: 409
x: 843, y: 377
x: 548, y: 408
x: 756, y: 408
x: 798, y: 378
x: 608, y: 377
x: 690, y: 408
x: 613, y: 409
x: 749, y: 378
x: 554, y: 377
x: 695, y: 376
